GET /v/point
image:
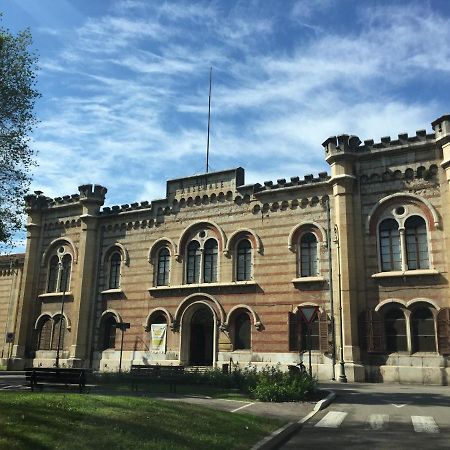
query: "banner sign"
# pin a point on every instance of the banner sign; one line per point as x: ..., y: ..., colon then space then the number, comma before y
x: 159, y: 333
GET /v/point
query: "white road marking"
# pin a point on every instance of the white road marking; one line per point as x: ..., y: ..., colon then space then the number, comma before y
x: 424, y: 424
x: 398, y: 406
x: 378, y: 421
x: 242, y: 407
x: 332, y: 420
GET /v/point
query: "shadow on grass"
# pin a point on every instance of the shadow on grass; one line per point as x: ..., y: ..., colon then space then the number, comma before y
x: 51, y: 420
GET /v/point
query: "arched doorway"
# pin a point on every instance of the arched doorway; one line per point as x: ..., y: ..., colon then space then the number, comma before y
x: 201, y: 337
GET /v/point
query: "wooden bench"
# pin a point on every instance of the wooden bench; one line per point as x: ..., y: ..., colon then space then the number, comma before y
x: 156, y: 374
x: 40, y: 376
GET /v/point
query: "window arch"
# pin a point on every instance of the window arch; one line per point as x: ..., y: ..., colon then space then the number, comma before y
x: 395, y: 331
x: 298, y: 332
x: 115, y: 264
x: 202, y: 260
x: 59, y: 270
x: 242, y: 332
x: 109, y: 327
x: 416, y: 243
x: 163, y: 271
x: 308, y: 255
x: 244, y: 261
x: 422, y: 330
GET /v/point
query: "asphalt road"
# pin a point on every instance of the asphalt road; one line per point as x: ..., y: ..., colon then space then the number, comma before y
x: 378, y: 416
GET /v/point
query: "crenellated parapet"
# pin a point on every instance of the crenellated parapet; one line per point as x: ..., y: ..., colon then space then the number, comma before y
x: 441, y: 127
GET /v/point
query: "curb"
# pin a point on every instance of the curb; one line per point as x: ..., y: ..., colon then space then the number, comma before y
x: 278, y: 437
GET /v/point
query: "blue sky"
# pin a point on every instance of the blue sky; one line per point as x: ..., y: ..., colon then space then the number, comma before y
x: 125, y: 85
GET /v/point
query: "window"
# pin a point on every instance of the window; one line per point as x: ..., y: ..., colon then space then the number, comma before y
x: 403, y: 236
x: 244, y: 261
x: 242, y: 332
x: 308, y: 255
x: 201, y: 264
x: 390, y: 245
x: 48, y: 338
x: 109, y: 332
x: 298, y: 332
x: 193, y: 262
x: 422, y: 330
x: 210, y: 261
x: 59, y: 326
x: 59, y: 269
x: 45, y: 334
x: 416, y: 243
x: 395, y: 331
x: 162, y: 278
x: 114, y: 270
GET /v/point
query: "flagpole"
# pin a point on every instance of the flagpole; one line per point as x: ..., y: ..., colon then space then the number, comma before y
x: 209, y: 120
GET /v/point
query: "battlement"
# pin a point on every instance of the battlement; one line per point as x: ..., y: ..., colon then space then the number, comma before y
x: 294, y: 181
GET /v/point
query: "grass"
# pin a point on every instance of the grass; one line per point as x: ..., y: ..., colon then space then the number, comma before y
x: 74, y: 421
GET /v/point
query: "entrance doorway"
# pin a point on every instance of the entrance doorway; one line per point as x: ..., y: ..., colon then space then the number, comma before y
x: 201, y: 337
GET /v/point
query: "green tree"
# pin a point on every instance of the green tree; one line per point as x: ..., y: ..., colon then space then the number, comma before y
x: 18, y: 68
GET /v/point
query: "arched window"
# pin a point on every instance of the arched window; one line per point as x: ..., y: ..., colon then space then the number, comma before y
x: 210, y: 261
x: 109, y: 332
x: 395, y: 330
x: 308, y: 255
x: 242, y: 332
x: 59, y: 327
x: 389, y: 236
x: 65, y: 273
x: 115, y: 264
x: 416, y: 243
x: 422, y: 330
x: 53, y: 269
x: 59, y: 270
x: 193, y: 262
x: 244, y: 261
x: 45, y: 334
x: 162, y: 278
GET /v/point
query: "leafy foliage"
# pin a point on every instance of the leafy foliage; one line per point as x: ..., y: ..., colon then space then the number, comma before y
x: 18, y: 67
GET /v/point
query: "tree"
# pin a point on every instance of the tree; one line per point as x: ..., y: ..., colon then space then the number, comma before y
x: 18, y: 68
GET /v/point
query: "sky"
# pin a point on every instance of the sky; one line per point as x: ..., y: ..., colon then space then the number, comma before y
x: 124, y: 85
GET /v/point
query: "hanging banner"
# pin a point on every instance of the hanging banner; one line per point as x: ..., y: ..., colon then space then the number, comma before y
x: 159, y: 333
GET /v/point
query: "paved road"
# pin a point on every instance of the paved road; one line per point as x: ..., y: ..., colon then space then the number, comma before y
x: 374, y: 416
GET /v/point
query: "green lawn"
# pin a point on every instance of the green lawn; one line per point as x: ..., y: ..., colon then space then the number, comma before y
x: 74, y: 421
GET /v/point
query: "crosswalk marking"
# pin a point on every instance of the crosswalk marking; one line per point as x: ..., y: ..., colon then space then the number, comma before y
x: 332, y: 420
x: 424, y: 424
x: 378, y: 421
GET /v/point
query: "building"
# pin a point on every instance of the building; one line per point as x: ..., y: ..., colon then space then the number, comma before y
x: 220, y: 271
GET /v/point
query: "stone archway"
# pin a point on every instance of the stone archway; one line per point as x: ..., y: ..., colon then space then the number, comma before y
x: 198, y: 335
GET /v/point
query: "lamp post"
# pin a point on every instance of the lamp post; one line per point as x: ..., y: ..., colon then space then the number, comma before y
x: 122, y: 326
x: 63, y: 281
x: 342, y: 376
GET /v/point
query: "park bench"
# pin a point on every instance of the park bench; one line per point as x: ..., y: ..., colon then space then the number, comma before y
x: 40, y: 376
x: 171, y: 375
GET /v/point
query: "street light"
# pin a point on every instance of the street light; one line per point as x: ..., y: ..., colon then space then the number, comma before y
x: 342, y: 376
x: 63, y: 281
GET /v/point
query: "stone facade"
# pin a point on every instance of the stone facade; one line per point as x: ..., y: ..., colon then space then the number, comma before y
x: 227, y: 270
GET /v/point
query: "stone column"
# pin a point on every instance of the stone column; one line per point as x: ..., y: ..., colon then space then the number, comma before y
x: 340, y: 154
x: 24, y: 332
x: 91, y: 199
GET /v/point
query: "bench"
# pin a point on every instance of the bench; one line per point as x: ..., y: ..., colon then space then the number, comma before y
x: 40, y: 376
x: 156, y: 374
